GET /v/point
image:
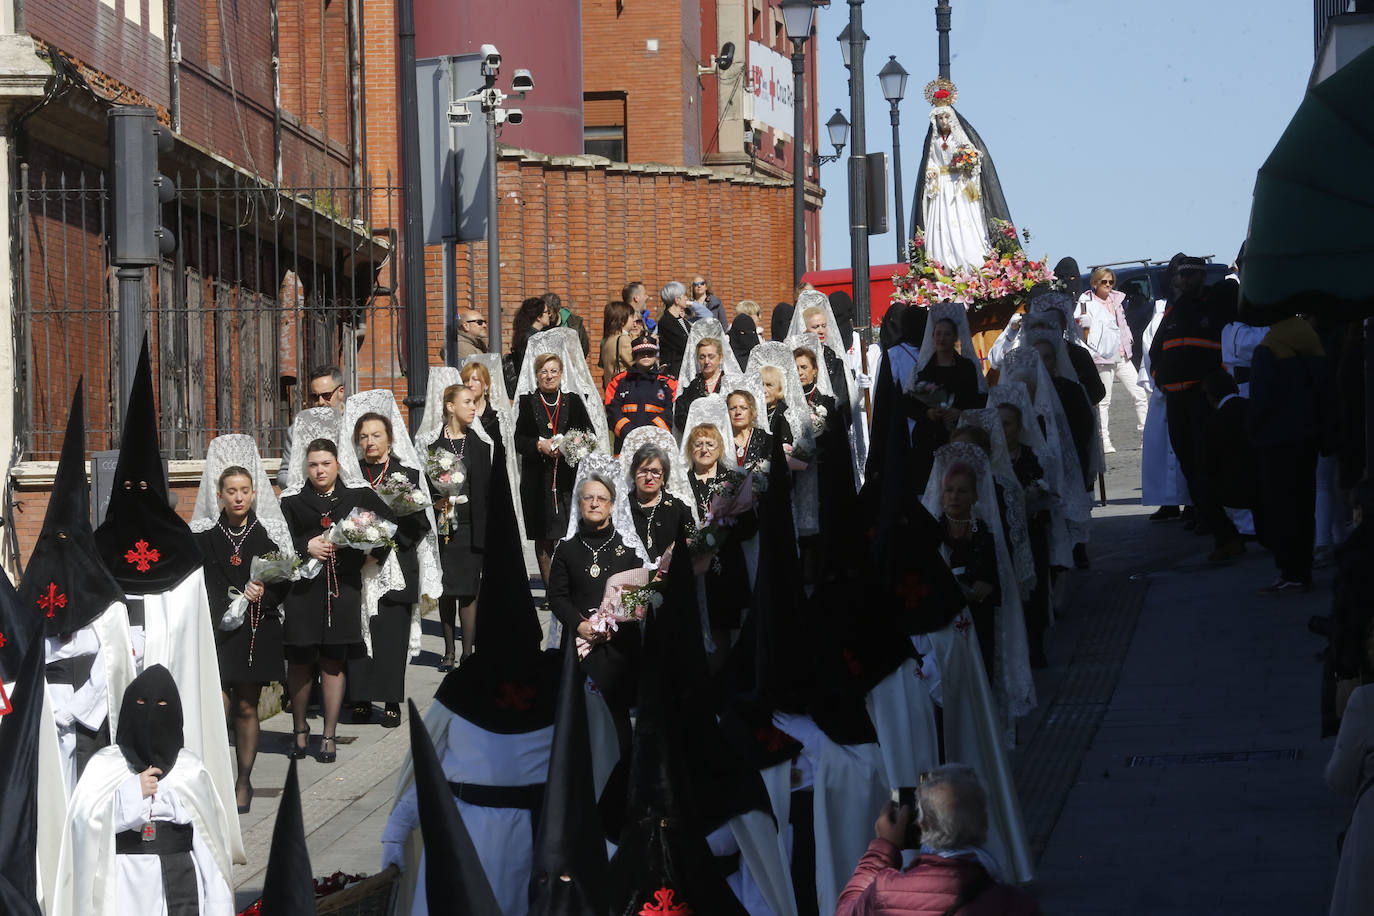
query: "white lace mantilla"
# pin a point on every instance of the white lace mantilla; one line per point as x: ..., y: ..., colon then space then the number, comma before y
x: 577, y: 378
x: 235, y: 450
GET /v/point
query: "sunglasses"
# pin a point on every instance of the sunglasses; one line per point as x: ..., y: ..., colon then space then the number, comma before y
x: 481, y: 321
x: 324, y: 395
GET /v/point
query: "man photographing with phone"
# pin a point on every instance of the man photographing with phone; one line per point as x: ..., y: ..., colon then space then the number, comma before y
x: 952, y: 873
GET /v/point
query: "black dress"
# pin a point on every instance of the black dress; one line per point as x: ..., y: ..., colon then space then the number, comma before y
x: 324, y: 614
x: 546, y: 482
x: 777, y: 422
x: 383, y: 676
x: 834, y: 367
x: 491, y: 422
x: 251, y: 654
x: 574, y: 593
x: 1079, y: 413
x: 685, y: 396
x: 959, y: 380
x: 974, y: 559
x: 757, y: 452
x: 727, y: 579
x: 463, y: 538
x: 1037, y: 606
x: 660, y: 525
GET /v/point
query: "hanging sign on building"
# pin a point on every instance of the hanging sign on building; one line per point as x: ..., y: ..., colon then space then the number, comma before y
x: 770, y: 85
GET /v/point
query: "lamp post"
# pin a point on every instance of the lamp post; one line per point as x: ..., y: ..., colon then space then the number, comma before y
x: 838, y: 129
x: 852, y: 44
x: 797, y: 18
x: 893, y: 80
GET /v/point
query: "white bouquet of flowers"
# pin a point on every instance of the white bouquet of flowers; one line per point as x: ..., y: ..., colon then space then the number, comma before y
x: 274, y: 566
x: 401, y: 495
x: 363, y: 529
x: 574, y: 445
x: 445, y: 472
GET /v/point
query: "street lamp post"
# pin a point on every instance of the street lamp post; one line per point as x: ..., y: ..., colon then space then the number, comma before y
x: 893, y: 80
x: 858, y: 170
x: 797, y: 18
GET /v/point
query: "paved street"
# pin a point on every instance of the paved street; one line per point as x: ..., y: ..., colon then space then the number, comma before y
x: 1173, y: 765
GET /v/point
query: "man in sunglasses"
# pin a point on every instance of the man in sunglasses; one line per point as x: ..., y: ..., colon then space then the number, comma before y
x: 325, y: 388
x: 469, y: 335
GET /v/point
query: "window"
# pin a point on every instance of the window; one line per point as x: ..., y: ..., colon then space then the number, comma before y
x: 603, y: 117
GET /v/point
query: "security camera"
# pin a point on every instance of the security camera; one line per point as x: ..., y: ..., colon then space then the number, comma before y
x: 726, y: 57
x: 491, y: 60
x: 459, y: 115
x: 514, y: 116
x: 522, y: 81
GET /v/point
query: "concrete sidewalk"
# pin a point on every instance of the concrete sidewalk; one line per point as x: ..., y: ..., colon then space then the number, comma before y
x: 1191, y: 703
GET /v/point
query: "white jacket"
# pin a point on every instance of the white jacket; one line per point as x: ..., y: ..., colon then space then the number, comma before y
x: 1099, y: 320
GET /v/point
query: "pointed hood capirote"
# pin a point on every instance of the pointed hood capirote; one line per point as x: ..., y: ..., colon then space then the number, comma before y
x: 454, y: 879
x: 65, y: 584
x: 288, y: 889
x: 19, y: 731
x: 569, y: 875
x: 508, y: 685
x: 151, y: 722
x: 142, y: 540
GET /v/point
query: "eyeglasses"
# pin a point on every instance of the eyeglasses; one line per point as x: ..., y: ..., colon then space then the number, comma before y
x: 595, y: 500
x: 324, y: 395
x: 550, y: 373
x: 1106, y: 283
x: 651, y: 473
x: 481, y: 321
x: 698, y: 282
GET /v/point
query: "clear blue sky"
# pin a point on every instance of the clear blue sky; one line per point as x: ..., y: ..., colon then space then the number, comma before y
x: 1119, y: 130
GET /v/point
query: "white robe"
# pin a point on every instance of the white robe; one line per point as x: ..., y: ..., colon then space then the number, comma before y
x: 181, y: 639
x: 97, y: 700
x: 93, y: 881
x: 503, y: 837
x: 904, y: 717
x: 972, y: 737
x: 1161, y: 479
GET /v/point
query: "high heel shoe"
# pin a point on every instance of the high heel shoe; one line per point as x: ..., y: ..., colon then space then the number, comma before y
x: 245, y: 806
x: 297, y: 751
x: 328, y: 756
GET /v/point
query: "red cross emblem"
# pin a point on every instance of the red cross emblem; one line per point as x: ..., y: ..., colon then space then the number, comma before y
x: 664, y: 905
x: 912, y: 590
x: 51, y: 600
x: 962, y: 624
x: 2, y: 640
x: 515, y: 696
x: 141, y: 557
x: 5, y: 706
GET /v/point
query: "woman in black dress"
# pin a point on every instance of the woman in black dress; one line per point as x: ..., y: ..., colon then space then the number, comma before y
x: 752, y: 446
x: 835, y: 471
x: 251, y: 654
x: 659, y: 516
x: 728, y: 592
x: 971, y: 553
x: 546, y: 479
x: 580, y: 567
x: 957, y: 375
x: 462, y: 525
x: 708, y: 380
x: 383, y: 675
x: 1038, y: 499
x: 324, y: 623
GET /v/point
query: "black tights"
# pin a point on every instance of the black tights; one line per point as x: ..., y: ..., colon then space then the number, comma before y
x: 465, y: 615
x: 241, y: 700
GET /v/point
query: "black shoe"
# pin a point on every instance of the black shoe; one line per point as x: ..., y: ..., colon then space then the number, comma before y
x: 330, y: 755
x: 362, y: 712
x: 445, y: 663
x: 297, y: 751
x: 1165, y: 513
x: 247, y: 805
x: 391, y: 718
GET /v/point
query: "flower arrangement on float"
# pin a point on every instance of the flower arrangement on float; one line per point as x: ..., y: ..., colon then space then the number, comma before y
x: 999, y: 285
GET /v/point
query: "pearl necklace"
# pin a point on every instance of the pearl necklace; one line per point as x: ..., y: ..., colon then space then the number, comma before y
x: 241, y: 534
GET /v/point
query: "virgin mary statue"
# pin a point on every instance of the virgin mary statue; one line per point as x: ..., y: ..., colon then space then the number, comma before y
x: 958, y: 194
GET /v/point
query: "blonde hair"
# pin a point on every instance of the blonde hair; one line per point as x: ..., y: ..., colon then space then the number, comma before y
x: 771, y: 374
x: 708, y: 342
x: 748, y: 307
x: 706, y: 429
x: 452, y: 391
x: 469, y: 371
x: 544, y: 359
x: 748, y: 399
x: 812, y: 310
x: 1099, y: 273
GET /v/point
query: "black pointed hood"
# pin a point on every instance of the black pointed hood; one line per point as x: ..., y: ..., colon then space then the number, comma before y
x: 288, y: 888
x: 151, y: 724
x: 65, y: 585
x: 662, y: 860
x: 454, y: 879
x: 19, y: 629
x: 507, y: 685
x: 19, y: 730
x: 570, y: 872
x: 142, y: 540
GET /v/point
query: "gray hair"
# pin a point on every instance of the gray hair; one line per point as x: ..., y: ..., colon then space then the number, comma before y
x: 672, y: 291
x: 648, y: 452
x: 594, y: 477
x: 952, y: 808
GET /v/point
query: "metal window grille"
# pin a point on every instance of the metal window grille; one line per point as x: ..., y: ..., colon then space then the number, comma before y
x: 264, y: 284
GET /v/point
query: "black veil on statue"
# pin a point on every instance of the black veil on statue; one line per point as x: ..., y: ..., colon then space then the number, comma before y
x: 142, y: 540
x: 65, y: 585
x: 989, y: 186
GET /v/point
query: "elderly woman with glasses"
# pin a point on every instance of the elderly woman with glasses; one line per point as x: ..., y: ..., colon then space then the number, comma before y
x: 659, y: 516
x: 582, y: 564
